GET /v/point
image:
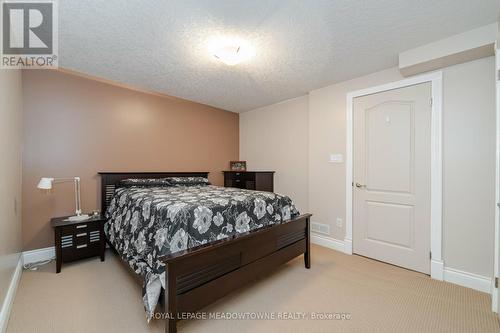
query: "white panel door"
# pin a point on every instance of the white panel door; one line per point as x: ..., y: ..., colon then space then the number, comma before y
x: 392, y: 176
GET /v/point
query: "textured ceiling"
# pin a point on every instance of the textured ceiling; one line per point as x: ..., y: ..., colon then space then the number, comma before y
x: 300, y: 45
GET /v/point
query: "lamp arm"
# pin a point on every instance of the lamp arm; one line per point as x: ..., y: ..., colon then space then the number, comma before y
x: 63, y: 180
x: 78, y: 205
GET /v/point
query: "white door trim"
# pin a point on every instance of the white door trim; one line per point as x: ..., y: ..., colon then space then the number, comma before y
x: 436, y: 79
x: 496, y: 269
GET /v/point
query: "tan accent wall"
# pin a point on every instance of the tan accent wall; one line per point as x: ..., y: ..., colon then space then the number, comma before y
x: 10, y: 176
x: 75, y: 126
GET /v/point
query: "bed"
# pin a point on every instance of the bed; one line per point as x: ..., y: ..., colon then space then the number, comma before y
x: 191, y: 243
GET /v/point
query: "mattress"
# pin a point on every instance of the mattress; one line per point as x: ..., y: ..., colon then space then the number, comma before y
x: 146, y: 222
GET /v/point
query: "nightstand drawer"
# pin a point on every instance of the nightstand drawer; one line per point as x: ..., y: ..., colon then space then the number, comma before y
x: 79, y: 228
x: 238, y: 182
x: 243, y: 176
x: 86, y: 237
x: 79, y: 251
x: 81, y: 240
x: 239, y: 179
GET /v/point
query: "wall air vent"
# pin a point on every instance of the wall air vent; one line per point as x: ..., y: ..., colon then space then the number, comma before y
x: 320, y: 228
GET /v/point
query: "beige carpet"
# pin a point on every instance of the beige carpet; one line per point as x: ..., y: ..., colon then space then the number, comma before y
x: 90, y: 296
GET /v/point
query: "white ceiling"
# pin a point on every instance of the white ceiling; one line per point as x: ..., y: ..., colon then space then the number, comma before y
x: 300, y: 45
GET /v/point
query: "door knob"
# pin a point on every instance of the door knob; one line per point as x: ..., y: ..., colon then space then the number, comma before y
x: 358, y: 185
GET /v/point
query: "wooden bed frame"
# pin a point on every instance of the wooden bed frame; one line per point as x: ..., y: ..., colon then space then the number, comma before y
x: 199, y: 276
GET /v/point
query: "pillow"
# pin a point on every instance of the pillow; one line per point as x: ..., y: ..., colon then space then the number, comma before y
x: 187, y: 181
x: 145, y: 182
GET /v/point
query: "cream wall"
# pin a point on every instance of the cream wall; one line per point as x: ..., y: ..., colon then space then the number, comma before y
x: 327, y: 134
x: 468, y: 153
x: 468, y: 159
x: 275, y: 138
x: 10, y: 176
x: 469, y: 166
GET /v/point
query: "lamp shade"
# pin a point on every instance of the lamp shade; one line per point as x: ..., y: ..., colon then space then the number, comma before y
x: 45, y: 183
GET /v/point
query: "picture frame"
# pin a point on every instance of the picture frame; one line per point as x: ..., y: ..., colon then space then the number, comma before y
x: 238, y: 165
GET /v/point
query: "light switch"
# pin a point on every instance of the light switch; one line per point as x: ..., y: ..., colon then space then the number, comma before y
x: 336, y: 158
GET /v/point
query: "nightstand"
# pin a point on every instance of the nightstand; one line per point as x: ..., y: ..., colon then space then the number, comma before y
x: 77, y: 240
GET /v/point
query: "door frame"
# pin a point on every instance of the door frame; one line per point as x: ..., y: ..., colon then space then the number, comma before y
x: 495, y: 292
x: 436, y: 80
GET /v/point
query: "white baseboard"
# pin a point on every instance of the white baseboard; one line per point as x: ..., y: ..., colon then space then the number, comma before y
x: 328, y: 242
x: 494, y: 300
x: 437, y: 269
x: 469, y: 280
x: 9, y: 297
x: 33, y: 256
x: 348, y: 246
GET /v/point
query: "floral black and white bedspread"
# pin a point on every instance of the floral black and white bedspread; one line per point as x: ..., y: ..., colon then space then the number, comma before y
x: 148, y: 222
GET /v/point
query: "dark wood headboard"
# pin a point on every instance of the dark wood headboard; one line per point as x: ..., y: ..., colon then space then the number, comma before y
x: 110, y: 180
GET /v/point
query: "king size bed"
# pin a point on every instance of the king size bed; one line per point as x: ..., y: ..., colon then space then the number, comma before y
x: 191, y: 243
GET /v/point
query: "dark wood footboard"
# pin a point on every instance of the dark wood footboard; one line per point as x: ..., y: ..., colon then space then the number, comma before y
x: 200, y: 276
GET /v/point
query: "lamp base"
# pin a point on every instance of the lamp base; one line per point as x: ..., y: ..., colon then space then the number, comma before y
x: 77, y: 218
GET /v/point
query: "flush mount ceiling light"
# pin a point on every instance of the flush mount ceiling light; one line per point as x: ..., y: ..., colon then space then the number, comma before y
x: 230, y: 51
